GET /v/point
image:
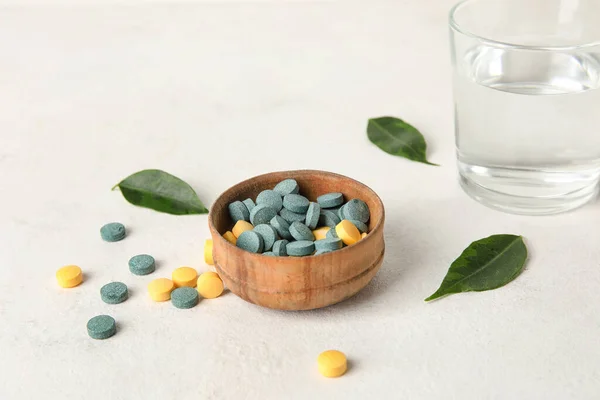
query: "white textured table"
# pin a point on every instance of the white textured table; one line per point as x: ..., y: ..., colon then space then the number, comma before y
x: 215, y: 93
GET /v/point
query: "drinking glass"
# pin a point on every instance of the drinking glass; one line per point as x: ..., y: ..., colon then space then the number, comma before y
x: 526, y: 78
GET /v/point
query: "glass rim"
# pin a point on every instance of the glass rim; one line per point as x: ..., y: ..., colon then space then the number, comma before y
x: 499, y: 43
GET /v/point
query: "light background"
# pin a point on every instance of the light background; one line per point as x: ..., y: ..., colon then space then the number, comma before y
x: 216, y: 92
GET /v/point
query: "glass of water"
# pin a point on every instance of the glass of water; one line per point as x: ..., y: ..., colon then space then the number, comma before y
x: 527, y: 102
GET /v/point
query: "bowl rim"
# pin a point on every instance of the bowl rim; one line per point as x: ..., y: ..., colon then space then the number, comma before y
x: 290, y: 259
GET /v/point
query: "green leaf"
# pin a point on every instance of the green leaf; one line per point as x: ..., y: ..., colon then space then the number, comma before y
x: 398, y: 138
x: 486, y: 264
x: 161, y: 191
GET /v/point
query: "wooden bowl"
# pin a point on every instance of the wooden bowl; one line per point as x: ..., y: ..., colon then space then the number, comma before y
x: 298, y: 283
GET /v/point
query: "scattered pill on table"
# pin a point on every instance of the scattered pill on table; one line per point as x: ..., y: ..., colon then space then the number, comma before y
x: 101, y: 327
x: 332, y: 363
x: 114, y: 293
x: 241, y: 227
x: 142, y: 264
x: 288, y: 186
x: 184, y: 276
x: 330, y: 200
x: 184, y: 297
x: 210, y: 285
x: 208, y: 252
x: 230, y: 237
x: 269, y: 235
x: 160, y: 289
x: 251, y: 241
x: 238, y: 211
x: 346, y: 231
x: 69, y: 276
x: 113, y: 232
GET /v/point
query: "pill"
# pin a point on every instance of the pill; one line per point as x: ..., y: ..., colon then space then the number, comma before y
x: 300, y: 248
x: 271, y: 199
x: 101, y: 327
x: 312, y: 215
x: 262, y: 214
x: 331, y: 234
x: 268, y: 253
x: 210, y: 285
x: 230, y: 237
x: 364, y: 235
x: 340, y: 213
x: 299, y: 231
x: 328, y: 218
x: 184, y: 297
x: 319, y: 252
x: 269, y: 235
x: 142, y: 264
x: 251, y: 241
x: 69, y: 276
x: 279, y: 248
x: 241, y: 227
x: 328, y: 244
x: 184, y: 276
x: 290, y: 216
x: 356, y: 209
x: 113, y: 232
x: 330, y: 200
x: 296, y: 203
x: 208, y: 252
x: 362, y: 227
x: 288, y: 186
x: 160, y: 289
x: 347, y: 232
x: 250, y: 204
x: 321, y: 233
x: 238, y: 211
x: 332, y: 363
x: 114, y: 293
x: 281, y: 226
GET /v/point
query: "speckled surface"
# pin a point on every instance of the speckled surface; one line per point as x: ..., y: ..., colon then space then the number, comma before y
x: 92, y: 94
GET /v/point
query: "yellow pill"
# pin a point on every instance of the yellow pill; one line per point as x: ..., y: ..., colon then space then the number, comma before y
x: 184, y: 276
x: 230, y: 237
x: 160, y: 289
x: 240, y: 227
x: 210, y: 285
x: 347, y: 232
x: 332, y: 363
x: 321, y: 232
x: 69, y: 276
x: 364, y: 235
x: 208, y: 248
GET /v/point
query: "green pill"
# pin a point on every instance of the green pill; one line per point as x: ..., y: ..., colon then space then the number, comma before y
x: 249, y: 203
x: 296, y: 203
x: 269, y: 253
x: 300, y: 248
x: 340, y: 213
x: 114, y: 293
x: 288, y: 186
x: 281, y: 226
x: 300, y: 231
x: 331, y: 234
x: 184, y: 297
x: 357, y: 209
x: 290, y: 216
x: 328, y: 244
x: 319, y: 252
x: 269, y: 235
x: 250, y: 241
x: 328, y: 218
x: 279, y: 248
x: 270, y: 198
x: 113, y: 232
x: 142, y: 264
x: 312, y: 215
x: 262, y: 214
x: 362, y: 227
x: 330, y: 200
x: 238, y: 211
x: 101, y: 327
